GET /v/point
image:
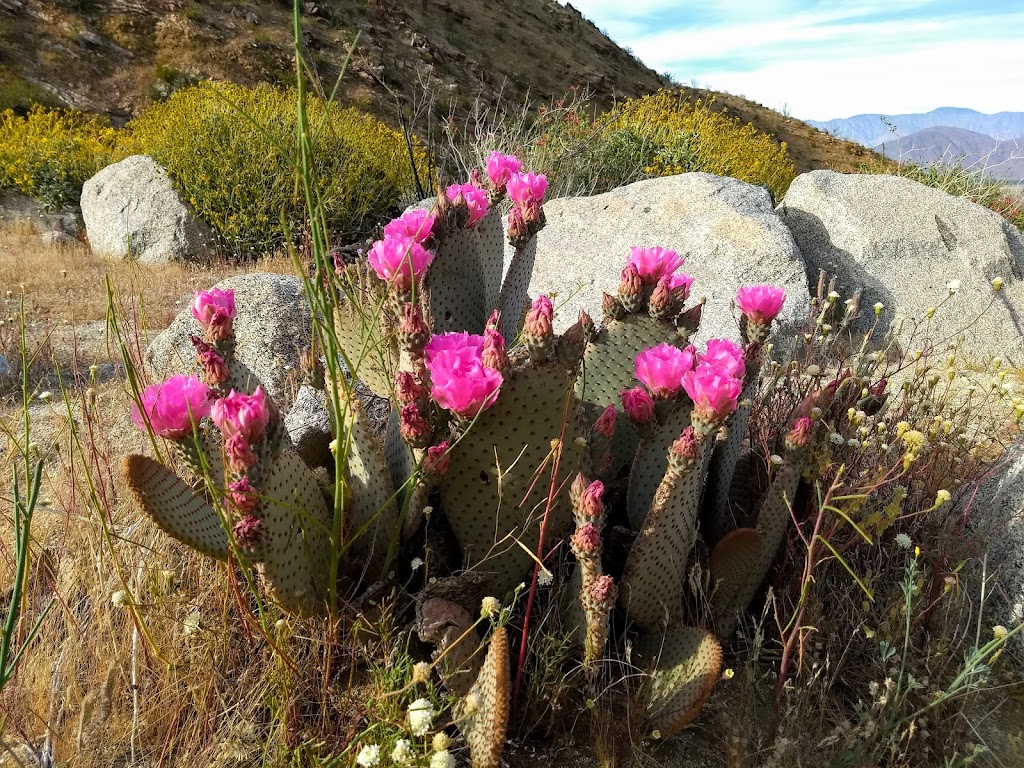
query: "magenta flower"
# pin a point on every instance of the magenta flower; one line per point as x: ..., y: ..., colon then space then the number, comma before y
x: 246, y: 415
x: 417, y: 224
x: 460, y: 381
x: 713, y: 391
x: 603, y: 590
x: 173, y: 406
x: 638, y: 405
x: 243, y: 496
x: 661, y: 368
x: 241, y: 456
x: 527, y: 189
x: 475, y: 197
x: 680, y: 280
x: 587, y: 539
x: 760, y: 303
x: 437, y: 460
x: 500, y: 169
x: 399, y: 259
x: 726, y: 356
x: 215, y: 311
x: 590, y: 503
x: 654, y: 263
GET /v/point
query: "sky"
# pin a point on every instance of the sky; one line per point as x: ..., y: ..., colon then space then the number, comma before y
x: 819, y: 60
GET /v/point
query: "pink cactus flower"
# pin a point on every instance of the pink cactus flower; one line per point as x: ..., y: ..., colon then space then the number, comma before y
x: 437, y: 459
x: 398, y: 259
x: 247, y: 415
x: 500, y: 169
x: 587, y: 539
x: 638, y: 405
x: 661, y: 368
x: 460, y: 381
x: 243, y: 496
x: 800, y: 434
x: 713, y: 391
x: 760, y: 303
x: 526, y: 189
x: 474, y: 197
x: 413, y: 427
x: 173, y: 406
x: 590, y: 503
x: 603, y: 590
x: 417, y: 224
x: 241, y: 457
x: 726, y: 356
x: 215, y: 311
x: 407, y: 389
x: 605, y: 424
x: 654, y: 263
x: 680, y: 282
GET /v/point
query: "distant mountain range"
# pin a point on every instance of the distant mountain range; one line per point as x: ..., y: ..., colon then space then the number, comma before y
x: 1001, y: 159
x: 870, y: 130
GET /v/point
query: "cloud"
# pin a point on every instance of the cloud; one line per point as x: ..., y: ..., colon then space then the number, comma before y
x: 826, y: 59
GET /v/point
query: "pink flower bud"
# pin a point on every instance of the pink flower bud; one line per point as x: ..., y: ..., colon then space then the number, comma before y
x: 417, y: 224
x: 248, y: 532
x: 713, y: 391
x: 638, y: 405
x: 590, y: 504
x: 587, y: 540
x: 500, y: 169
x: 538, y: 320
x: 460, y: 381
x: 215, y: 369
x: 399, y: 260
x: 518, y: 230
x: 413, y: 332
x: 215, y: 311
x: 662, y: 298
x: 684, y: 451
x: 173, y: 406
x: 605, y: 424
x: 494, y: 354
x: 611, y: 306
x: 760, y: 303
x: 473, y: 198
x: 726, y: 356
x: 661, y: 368
x: 437, y: 460
x: 680, y: 285
x: 603, y: 590
x: 579, y: 485
x: 407, y: 389
x: 654, y: 263
x: 631, y: 289
x: 243, y: 496
x: 240, y: 456
x: 414, y: 429
x: 800, y: 434
x: 241, y: 413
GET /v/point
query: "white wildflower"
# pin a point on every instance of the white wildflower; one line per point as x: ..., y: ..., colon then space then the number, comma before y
x: 489, y: 606
x: 120, y: 598
x: 421, y: 716
x: 442, y: 759
x: 942, y: 497
x: 191, y: 624
x: 421, y: 672
x: 776, y: 460
x: 545, y: 577
x: 835, y: 438
x: 853, y: 442
x: 441, y: 741
x: 368, y: 756
x: 997, y: 284
x: 999, y: 631
x: 46, y: 396
x: 832, y: 297
x: 953, y: 286
x: 471, y: 704
x: 416, y: 564
x: 903, y: 541
x: 402, y: 753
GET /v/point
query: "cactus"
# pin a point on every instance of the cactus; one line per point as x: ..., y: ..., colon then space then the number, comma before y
x: 365, y: 332
x: 734, y: 577
x: 483, y: 712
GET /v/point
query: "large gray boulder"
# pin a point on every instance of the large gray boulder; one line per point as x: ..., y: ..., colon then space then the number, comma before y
x: 903, y: 244
x: 19, y: 208
x: 131, y: 209
x: 726, y: 229
x: 272, y: 325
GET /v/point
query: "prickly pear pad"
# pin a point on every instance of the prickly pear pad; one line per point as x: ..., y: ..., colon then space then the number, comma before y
x: 364, y: 331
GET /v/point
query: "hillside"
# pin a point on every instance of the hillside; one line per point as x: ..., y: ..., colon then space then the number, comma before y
x: 872, y: 130
x: 1001, y: 159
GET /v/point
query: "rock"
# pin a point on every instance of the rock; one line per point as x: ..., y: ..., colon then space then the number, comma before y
x: 272, y: 326
x: 131, y: 208
x: 57, y: 239
x: 308, y: 424
x: 18, y: 208
x: 6, y: 369
x: 726, y: 229
x: 902, y: 244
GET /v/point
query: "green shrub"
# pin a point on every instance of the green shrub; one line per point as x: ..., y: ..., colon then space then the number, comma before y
x: 230, y: 165
x: 49, y: 153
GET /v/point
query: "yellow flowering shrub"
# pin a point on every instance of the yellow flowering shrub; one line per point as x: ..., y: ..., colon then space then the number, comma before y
x: 230, y: 150
x: 49, y: 153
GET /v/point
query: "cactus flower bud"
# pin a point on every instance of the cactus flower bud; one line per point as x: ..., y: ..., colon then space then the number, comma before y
x: 684, y: 451
x: 494, y: 354
x: 800, y: 434
x: 437, y: 460
x: 500, y: 168
x: 518, y: 230
x: 537, y: 331
x: 661, y: 368
x: 663, y: 302
x: 215, y: 369
x: 413, y: 333
x: 243, y: 496
x: 407, y: 389
x: 603, y: 590
x: 590, y: 504
x: 248, y: 532
x: 215, y: 311
x: 689, y: 321
x: 611, y: 307
x: 240, y: 456
x: 638, y: 405
x: 471, y: 198
x: 245, y: 414
x: 587, y: 326
x: 415, y: 429
x: 605, y: 424
x: 579, y: 485
x: 586, y: 540
x: 631, y: 289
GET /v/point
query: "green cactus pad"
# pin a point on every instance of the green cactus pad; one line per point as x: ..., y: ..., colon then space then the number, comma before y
x: 495, y: 516
x: 515, y: 301
x: 463, y: 282
x: 483, y: 713
x: 609, y: 366
x: 655, y: 576
x: 717, y: 514
x: 401, y: 459
x: 371, y: 513
x: 687, y: 663
x: 734, y: 579
x: 363, y: 329
x: 298, y: 527
x: 179, y: 511
x: 773, y: 517
x: 650, y: 462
